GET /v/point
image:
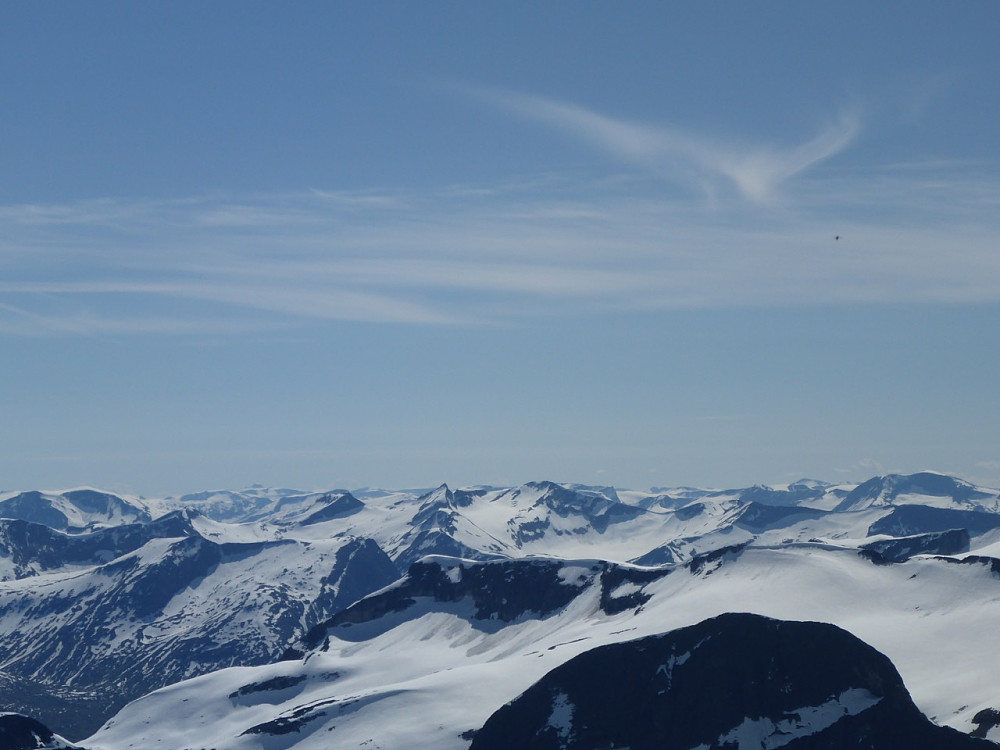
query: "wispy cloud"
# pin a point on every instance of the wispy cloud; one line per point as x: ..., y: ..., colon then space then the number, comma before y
x: 757, y: 173
x: 513, y: 251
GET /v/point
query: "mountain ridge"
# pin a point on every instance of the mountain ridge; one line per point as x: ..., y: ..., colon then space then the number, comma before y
x: 271, y: 580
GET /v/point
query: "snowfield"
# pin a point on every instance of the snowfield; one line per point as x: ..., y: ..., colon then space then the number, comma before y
x: 439, y: 673
x: 271, y: 620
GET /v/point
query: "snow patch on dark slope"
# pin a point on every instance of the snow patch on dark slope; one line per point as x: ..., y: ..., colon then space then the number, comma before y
x: 594, y: 510
x: 734, y: 681
x: 333, y: 506
x: 435, y: 528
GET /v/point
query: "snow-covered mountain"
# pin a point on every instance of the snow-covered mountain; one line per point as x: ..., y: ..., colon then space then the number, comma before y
x: 73, y: 510
x: 444, y: 648
x: 280, y: 618
x: 135, y: 608
x: 813, y: 686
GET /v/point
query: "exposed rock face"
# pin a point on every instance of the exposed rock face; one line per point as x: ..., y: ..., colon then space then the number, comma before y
x: 952, y: 542
x: 28, y: 549
x: 734, y: 681
x: 759, y: 516
x: 433, y: 528
x: 498, y: 591
x: 907, y: 520
x: 19, y: 732
x: 598, y: 510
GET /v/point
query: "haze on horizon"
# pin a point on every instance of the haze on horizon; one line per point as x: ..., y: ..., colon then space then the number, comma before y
x: 391, y: 244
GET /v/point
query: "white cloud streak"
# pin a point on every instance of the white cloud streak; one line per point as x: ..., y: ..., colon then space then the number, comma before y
x: 756, y: 173
x: 502, y: 254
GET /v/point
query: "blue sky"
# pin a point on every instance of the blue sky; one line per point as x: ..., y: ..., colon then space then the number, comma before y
x: 399, y: 244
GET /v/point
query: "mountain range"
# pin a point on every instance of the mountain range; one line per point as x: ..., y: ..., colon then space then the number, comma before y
x: 808, y: 615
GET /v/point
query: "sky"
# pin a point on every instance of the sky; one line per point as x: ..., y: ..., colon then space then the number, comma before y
x: 394, y: 244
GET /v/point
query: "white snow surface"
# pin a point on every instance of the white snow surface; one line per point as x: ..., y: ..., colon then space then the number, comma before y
x: 439, y: 673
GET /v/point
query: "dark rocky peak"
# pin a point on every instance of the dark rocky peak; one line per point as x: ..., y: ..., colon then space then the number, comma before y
x: 623, y: 586
x: 466, y: 496
x: 900, y: 549
x: 439, y: 496
x: 596, y: 507
x: 436, y: 515
x: 564, y: 500
x: 708, y: 562
x: 334, y: 505
x: 19, y: 732
x: 434, y: 503
x: 293, y: 504
x: 734, y: 681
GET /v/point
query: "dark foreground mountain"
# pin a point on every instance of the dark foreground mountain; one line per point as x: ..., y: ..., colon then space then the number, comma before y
x: 734, y: 681
x: 19, y: 732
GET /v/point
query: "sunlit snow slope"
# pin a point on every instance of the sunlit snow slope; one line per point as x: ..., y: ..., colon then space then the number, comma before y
x: 270, y: 600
